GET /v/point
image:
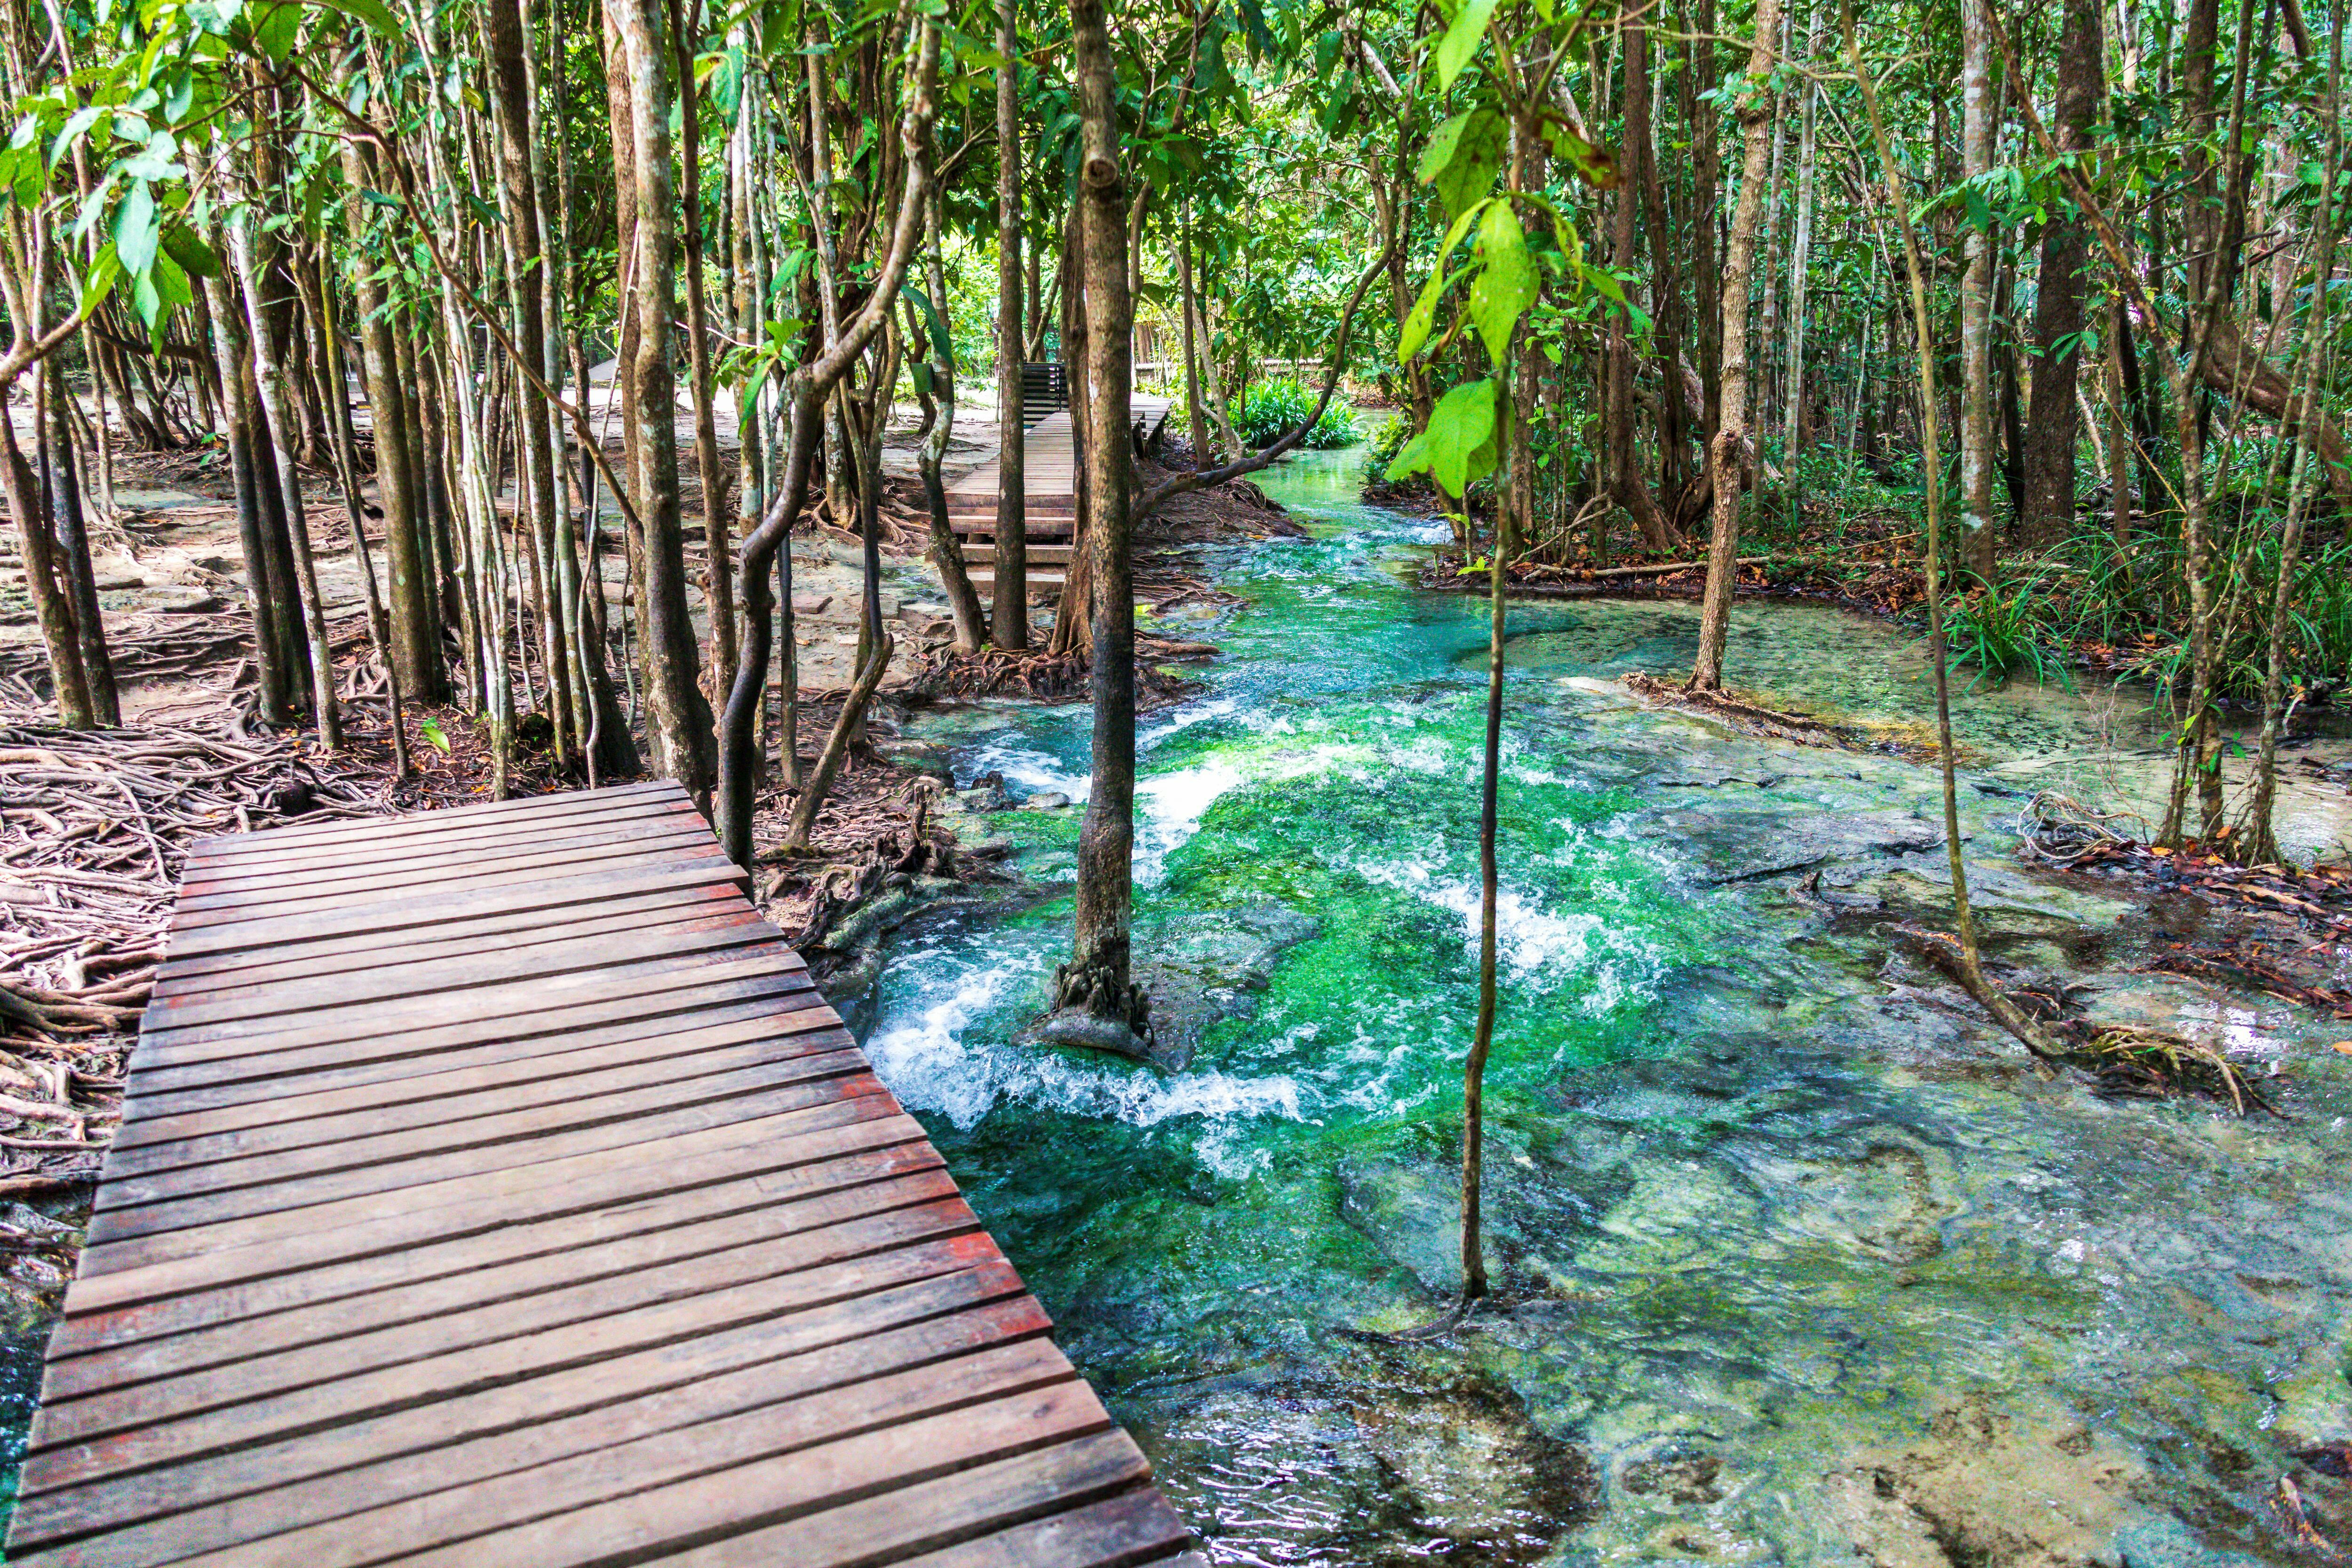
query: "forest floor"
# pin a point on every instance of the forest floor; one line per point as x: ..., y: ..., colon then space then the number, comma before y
x: 94, y: 828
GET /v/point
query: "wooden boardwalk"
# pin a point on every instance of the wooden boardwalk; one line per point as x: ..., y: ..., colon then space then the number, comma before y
x: 494, y: 1189
x: 1049, y: 482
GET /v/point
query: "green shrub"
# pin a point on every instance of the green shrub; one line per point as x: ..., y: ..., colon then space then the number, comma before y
x: 1268, y: 410
x: 1386, y: 443
x: 2005, y: 632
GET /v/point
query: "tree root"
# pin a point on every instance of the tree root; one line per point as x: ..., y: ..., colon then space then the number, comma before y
x: 1754, y: 719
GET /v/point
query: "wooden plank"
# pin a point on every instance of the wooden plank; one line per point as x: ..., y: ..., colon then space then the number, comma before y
x: 502, y: 932
x: 499, y: 1189
x: 564, y: 951
x: 393, y: 1157
x: 373, y: 829
x: 1134, y: 1527
x: 900, y: 1291
x: 336, y: 1375
x: 456, y: 1098
x: 771, y: 1490
x: 344, y: 1297
x: 429, y: 1022
x: 326, y: 1410
x: 882, y: 1397
x: 362, y: 885
x: 790, y: 1002
x: 377, y: 1223
x: 937, y: 1509
x: 413, y: 838
x: 872, y: 1183
x: 207, y: 1214
x: 311, y: 1522
x: 432, y: 863
x: 413, y: 914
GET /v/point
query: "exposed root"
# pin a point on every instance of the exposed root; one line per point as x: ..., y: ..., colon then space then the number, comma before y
x: 943, y: 672
x: 1754, y: 719
x: 2144, y: 1064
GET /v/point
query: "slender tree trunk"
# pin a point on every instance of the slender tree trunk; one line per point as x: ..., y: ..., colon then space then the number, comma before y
x: 677, y: 715
x: 44, y: 578
x: 279, y: 415
x: 1792, y: 424
x: 1096, y: 979
x: 2049, y: 422
x: 717, y: 548
x: 1977, y: 120
x: 1758, y: 107
x: 947, y: 552
x: 1009, y: 594
x: 73, y: 553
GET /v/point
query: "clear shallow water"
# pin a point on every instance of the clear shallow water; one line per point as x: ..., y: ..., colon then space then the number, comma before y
x: 1798, y: 1263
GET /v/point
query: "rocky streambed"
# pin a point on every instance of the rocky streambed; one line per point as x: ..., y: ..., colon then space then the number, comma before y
x: 1800, y: 1262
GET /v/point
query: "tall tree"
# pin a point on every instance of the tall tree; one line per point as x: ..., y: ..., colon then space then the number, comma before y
x: 1009, y: 594
x: 2051, y: 429
x: 1977, y: 532
x: 1097, y: 982
x: 1759, y: 107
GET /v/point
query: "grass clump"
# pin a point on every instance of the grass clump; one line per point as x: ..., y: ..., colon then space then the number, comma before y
x: 1269, y: 410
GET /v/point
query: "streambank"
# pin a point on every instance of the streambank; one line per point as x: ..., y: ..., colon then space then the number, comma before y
x: 1798, y: 1260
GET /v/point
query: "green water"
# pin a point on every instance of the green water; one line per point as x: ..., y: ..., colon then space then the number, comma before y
x: 1797, y: 1263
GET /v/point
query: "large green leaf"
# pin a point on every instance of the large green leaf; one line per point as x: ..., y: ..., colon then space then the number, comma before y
x: 1506, y: 284
x: 1477, y: 157
x: 136, y: 230
x: 183, y: 244
x: 1422, y: 318
x: 1462, y: 40
x: 1461, y: 427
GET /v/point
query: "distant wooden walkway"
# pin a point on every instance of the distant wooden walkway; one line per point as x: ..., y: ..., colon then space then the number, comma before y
x: 1050, y: 484
x: 494, y: 1189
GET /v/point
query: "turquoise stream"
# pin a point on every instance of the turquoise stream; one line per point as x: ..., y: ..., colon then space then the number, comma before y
x: 1795, y: 1260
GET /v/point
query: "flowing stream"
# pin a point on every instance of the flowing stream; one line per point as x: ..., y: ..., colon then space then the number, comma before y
x: 1797, y: 1261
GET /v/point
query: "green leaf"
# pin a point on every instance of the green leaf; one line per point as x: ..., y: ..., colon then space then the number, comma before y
x: 1478, y: 157
x: 942, y: 341
x: 1505, y: 285
x: 103, y: 275
x: 1422, y: 316
x: 135, y: 229
x: 1410, y: 459
x: 435, y: 736
x: 1441, y: 148
x: 1462, y: 40
x: 375, y: 13
x: 1596, y: 166
x: 1462, y: 428
x: 274, y: 28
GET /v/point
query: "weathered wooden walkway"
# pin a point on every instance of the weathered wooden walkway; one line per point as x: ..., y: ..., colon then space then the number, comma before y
x: 494, y: 1189
x: 1049, y: 482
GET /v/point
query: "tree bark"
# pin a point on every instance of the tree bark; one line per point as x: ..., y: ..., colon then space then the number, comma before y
x: 1096, y: 979
x: 2050, y: 425
x: 1009, y: 591
x: 1759, y: 106
x: 1977, y: 529
x: 677, y: 715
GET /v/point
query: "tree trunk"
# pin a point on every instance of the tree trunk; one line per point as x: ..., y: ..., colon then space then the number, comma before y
x: 677, y: 715
x: 277, y: 428
x: 2049, y: 420
x: 1977, y: 534
x: 1758, y: 109
x: 718, y: 574
x: 1009, y: 592
x: 73, y: 551
x: 1792, y: 424
x: 1097, y: 979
